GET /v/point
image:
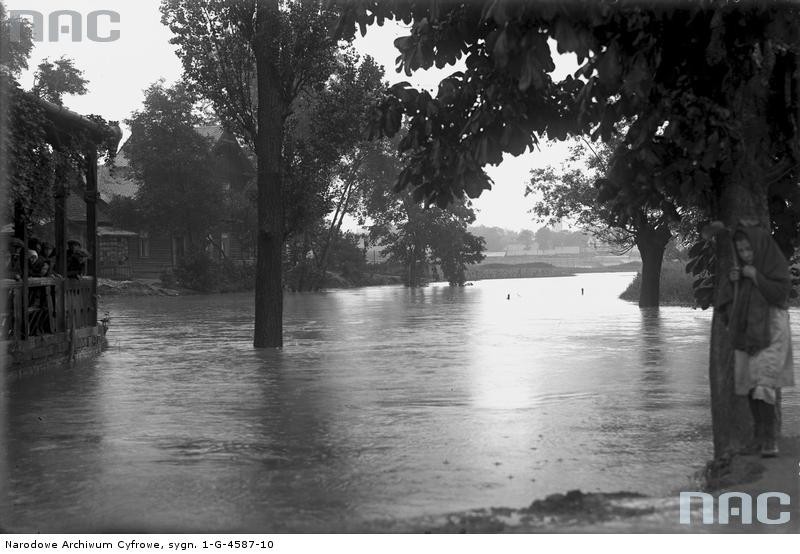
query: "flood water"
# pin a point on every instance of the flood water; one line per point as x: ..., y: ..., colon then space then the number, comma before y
x: 384, y: 403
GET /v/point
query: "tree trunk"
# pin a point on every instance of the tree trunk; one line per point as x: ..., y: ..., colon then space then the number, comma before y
x: 743, y: 196
x: 730, y: 416
x: 651, y: 244
x: 269, y: 141
x: 338, y: 218
x: 412, y: 267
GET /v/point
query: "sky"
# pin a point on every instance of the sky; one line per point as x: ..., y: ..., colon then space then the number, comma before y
x: 119, y: 72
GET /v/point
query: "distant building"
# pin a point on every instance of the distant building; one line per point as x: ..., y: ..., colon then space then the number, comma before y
x: 517, y: 250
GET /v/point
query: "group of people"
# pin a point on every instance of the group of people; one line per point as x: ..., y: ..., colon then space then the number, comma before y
x: 41, y: 260
x: 41, y: 257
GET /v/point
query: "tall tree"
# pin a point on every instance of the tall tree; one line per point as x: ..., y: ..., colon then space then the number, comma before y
x: 179, y: 192
x: 581, y: 189
x: 34, y: 163
x: 452, y: 247
x: 526, y: 237
x: 18, y: 139
x: 53, y: 80
x: 331, y: 166
x: 282, y: 48
x: 16, y: 43
x: 339, y: 123
x: 418, y: 236
x: 710, y: 88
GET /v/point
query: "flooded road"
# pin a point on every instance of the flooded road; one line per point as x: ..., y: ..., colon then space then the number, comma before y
x: 384, y: 403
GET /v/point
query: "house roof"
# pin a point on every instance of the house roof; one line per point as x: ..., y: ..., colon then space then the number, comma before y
x: 121, y: 160
x: 121, y: 184
x: 76, y: 209
x: 118, y: 184
x: 213, y: 132
x: 59, y: 120
x: 105, y: 231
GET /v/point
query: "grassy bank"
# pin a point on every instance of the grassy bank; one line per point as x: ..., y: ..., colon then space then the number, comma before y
x: 676, y: 286
x: 515, y: 271
x: 629, y: 266
x: 155, y: 287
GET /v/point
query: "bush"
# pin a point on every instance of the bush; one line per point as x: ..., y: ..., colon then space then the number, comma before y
x: 199, y: 271
x: 168, y: 279
x: 676, y: 286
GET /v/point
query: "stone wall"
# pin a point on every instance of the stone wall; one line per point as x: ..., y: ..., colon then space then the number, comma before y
x: 52, y: 352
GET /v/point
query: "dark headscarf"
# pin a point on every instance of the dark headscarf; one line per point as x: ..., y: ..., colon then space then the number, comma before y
x: 748, y: 316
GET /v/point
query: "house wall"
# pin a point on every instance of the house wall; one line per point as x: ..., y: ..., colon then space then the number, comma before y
x: 114, y: 258
x: 237, y: 251
x: 161, y: 256
x: 159, y: 260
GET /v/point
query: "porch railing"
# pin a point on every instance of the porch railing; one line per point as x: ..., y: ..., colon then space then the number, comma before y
x: 50, y: 305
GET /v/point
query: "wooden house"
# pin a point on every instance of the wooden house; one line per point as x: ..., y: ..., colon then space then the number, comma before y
x: 148, y: 254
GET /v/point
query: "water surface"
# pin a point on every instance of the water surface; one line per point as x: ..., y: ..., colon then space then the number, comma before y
x: 384, y: 403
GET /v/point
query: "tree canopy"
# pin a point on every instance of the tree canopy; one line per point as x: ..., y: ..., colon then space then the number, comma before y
x: 179, y: 191
x: 38, y: 157
x: 53, y: 80
x: 13, y: 53
x: 414, y: 235
x: 253, y: 60
x: 678, y: 71
x: 216, y: 45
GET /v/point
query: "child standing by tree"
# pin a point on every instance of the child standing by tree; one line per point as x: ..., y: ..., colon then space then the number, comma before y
x: 758, y: 320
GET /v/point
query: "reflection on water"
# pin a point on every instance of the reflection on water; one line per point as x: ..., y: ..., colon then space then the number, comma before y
x: 385, y: 402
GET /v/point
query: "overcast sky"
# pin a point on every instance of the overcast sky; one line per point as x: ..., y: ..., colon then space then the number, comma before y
x: 119, y: 71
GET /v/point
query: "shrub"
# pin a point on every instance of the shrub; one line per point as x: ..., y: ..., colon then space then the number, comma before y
x: 168, y: 279
x: 675, y: 289
x: 199, y: 271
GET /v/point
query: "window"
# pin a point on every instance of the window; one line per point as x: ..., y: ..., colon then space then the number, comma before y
x: 144, y: 244
x: 178, y: 249
x: 225, y: 244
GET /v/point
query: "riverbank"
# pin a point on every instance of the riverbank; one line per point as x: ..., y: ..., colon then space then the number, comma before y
x: 675, y: 287
x: 482, y: 272
x: 616, y: 512
x: 487, y: 271
x: 138, y: 287
x: 630, y: 512
x: 154, y: 287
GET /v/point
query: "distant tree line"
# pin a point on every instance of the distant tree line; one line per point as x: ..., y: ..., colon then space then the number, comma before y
x: 498, y: 239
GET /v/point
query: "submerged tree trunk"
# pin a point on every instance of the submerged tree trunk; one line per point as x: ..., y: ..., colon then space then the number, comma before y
x: 269, y: 141
x: 651, y: 244
x: 412, y: 267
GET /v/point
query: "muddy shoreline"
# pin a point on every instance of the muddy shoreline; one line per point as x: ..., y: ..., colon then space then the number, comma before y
x: 631, y: 512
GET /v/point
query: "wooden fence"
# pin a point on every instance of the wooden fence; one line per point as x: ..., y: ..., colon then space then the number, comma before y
x: 47, y: 305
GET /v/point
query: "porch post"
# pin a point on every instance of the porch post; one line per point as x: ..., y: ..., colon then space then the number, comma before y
x: 60, y: 231
x: 91, y: 228
x: 25, y: 267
